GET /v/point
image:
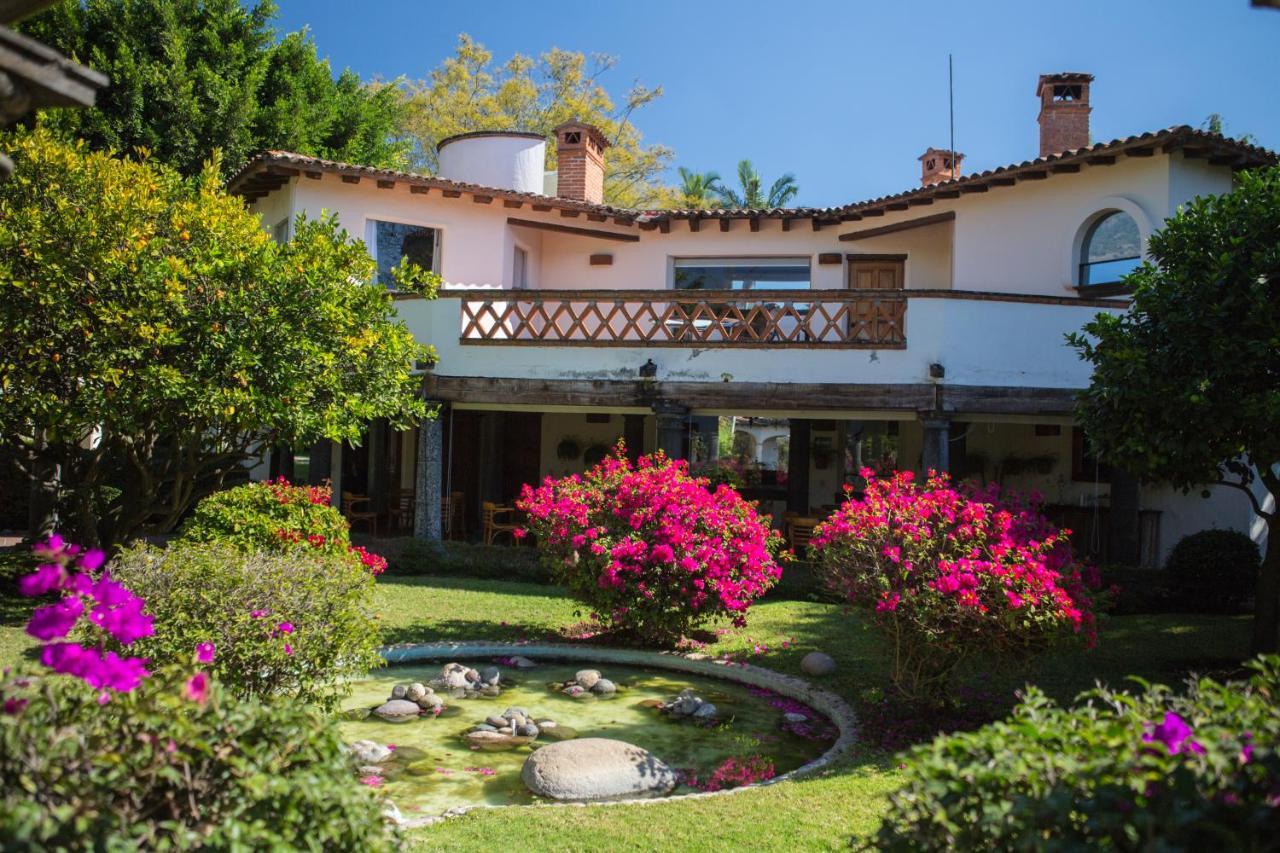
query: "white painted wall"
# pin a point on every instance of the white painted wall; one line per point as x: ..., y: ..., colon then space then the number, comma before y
x: 505, y: 162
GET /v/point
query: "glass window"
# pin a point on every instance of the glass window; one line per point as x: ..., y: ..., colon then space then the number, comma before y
x: 280, y: 233
x: 742, y: 274
x: 393, y: 241
x: 520, y: 273
x: 1112, y: 249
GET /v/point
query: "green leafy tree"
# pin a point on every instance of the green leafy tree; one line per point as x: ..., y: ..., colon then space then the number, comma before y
x: 154, y: 339
x: 698, y: 190
x: 468, y: 92
x: 189, y: 77
x: 753, y: 195
x: 1186, y: 385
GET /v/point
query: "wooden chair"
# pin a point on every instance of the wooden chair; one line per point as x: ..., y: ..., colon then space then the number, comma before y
x: 453, y: 515
x: 491, y: 520
x: 400, y: 507
x: 350, y: 500
x: 800, y: 531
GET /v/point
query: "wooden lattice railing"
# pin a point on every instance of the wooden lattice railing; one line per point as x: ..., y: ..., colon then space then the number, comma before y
x: 811, y: 318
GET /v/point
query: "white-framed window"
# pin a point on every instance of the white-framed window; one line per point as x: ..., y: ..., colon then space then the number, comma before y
x: 390, y: 242
x: 742, y: 273
x: 520, y: 269
x: 1110, y: 250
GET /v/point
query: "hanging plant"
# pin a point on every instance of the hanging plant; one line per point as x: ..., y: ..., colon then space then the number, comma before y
x: 568, y: 449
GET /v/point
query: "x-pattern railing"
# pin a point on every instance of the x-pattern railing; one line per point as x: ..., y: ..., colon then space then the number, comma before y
x: 814, y: 318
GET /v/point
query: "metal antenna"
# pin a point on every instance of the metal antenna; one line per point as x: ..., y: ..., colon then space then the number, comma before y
x: 951, y: 105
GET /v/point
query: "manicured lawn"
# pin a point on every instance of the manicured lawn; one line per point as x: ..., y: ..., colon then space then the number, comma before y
x: 819, y: 812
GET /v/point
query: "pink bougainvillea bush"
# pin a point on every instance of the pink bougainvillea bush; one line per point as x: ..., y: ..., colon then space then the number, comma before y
x: 947, y: 575
x: 106, y: 750
x: 650, y: 548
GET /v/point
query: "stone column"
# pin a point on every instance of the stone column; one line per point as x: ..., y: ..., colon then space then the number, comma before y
x: 936, y: 454
x: 672, y: 424
x: 798, y: 466
x: 427, y: 507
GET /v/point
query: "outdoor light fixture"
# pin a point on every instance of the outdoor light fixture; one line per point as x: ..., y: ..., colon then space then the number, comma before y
x: 937, y: 371
x: 648, y: 370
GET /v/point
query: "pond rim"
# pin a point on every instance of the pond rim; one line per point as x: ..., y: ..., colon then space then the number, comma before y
x: 836, y: 709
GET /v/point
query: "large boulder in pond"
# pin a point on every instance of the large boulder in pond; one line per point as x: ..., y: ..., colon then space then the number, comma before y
x: 398, y: 711
x: 596, y: 768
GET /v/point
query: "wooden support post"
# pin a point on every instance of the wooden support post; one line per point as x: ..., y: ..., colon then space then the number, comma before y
x: 672, y: 425
x: 633, y: 435
x: 1122, y: 520
x: 798, y: 466
x: 427, y: 508
x: 936, y: 454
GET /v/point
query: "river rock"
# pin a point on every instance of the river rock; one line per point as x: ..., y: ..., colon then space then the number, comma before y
x: 455, y: 676
x: 793, y: 717
x: 818, y: 664
x: 596, y: 769
x: 398, y: 711
x: 430, y: 702
x: 522, y: 662
x: 399, y: 691
x: 370, y: 752
x: 496, y: 740
x: 528, y: 730
x: 490, y: 675
x: 484, y: 727
x: 604, y: 687
x: 706, y: 711
x: 414, y: 692
x: 574, y: 690
x: 557, y: 732
x: 587, y: 677
x: 497, y: 722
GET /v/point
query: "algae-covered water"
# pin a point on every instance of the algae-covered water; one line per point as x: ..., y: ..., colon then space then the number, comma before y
x: 434, y: 769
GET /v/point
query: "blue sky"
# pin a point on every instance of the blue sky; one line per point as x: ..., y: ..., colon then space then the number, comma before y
x: 847, y: 94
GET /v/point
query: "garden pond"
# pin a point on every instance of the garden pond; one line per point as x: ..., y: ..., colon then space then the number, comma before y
x: 756, y: 734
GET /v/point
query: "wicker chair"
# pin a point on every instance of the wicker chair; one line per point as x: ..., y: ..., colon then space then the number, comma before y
x: 350, y: 502
x: 492, y: 522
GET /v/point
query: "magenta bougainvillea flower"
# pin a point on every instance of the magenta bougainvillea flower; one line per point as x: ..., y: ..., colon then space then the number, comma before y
x: 204, y: 652
x: 197, y: 688
x: 1175, y: 733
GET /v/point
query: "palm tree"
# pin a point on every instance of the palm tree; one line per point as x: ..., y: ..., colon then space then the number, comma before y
x: 753, y: 196
x: 699, y: 190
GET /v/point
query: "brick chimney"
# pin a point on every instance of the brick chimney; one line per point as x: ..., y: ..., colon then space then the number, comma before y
x: 935, y: 166
x: 580, y: 162
x: 1064, y: 112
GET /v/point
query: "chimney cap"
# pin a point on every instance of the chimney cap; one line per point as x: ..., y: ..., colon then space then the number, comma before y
x: 1062, y: 77
x: 592, y: 132
x: 929, y: 152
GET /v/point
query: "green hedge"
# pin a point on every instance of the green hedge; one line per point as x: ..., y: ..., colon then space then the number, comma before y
x: 1153, y: 770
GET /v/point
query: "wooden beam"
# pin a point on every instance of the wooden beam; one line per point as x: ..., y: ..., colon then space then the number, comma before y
x: 512, y: 203
x: 451, y: 193
x: 569, y: 213
x: 725, y: 222
x: 786, y: 223
x: 664, y: 225
x: 351, y: 179
x: 479, y: 198
x: 315, y: 176
x: 855, y: 258
x: 755, y: 223
x: 1141, y: 151
x: 827, y: 259
x: 695, y: 223
x: 1033, y: 175
x: 1059, y: 168
x: 419, y: 189
x: 602, y: 259
x: 1101, y: 160
x: 541, y: 208
x: 947, y: 194
x: 817, y: 223
x: 897, y: 205
x: 919, y: 202
x: 975, y: 188
x: 597, y: 217
x: 385, y: 184
x: 570, y: 229
x: 905, y: 225
x: 1002, y: 182
x: 283, y: 170
x: 879, y: 211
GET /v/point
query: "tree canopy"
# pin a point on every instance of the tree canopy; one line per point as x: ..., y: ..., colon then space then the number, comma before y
x: 1186, y: 385
x: 189, y: 77
x: 468, y: 91
x: 154, y: 339
x: 697, y: 190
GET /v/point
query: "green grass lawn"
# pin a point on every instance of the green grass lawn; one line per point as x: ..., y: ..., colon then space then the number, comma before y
x: 814, y: 813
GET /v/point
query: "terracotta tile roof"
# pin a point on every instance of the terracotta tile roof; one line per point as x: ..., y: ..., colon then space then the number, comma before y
x: 272, y: 169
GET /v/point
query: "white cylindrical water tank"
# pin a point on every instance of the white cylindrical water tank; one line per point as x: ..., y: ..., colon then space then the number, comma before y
x: 506, y: 160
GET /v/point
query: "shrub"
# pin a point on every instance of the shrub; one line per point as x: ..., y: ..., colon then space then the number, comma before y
x: 156, y: 769
x: 947, y: 577
x: 649, y: 548
x: 291, y: 624
x: 1152, y: 771
x: 1214, y: 569
x: 101, y: 753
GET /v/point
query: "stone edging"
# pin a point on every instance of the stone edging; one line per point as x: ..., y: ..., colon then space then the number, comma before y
x: 829, y: 704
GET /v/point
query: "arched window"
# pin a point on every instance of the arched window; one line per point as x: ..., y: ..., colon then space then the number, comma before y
x: 1112, y: 248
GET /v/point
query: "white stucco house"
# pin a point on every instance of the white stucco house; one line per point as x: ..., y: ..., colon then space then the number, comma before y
x: 920, y: 330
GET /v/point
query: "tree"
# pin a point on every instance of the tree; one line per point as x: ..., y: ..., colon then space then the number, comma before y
x: 1186, y: 385
x: 753, y: 196
x: 189, y: 77
x: 154, y: 339
x: 467, y: 92
x: 698, y: 190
